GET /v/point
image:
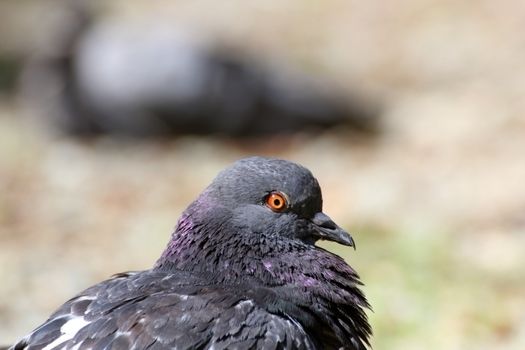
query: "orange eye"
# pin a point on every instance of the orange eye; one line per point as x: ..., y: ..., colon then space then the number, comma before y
x: 276, y: 201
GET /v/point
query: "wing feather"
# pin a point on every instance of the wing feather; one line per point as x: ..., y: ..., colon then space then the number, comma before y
x: 154, y: 310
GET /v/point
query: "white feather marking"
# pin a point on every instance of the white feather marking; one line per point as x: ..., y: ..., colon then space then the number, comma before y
x: 292, y: 321
x: 242, y: 304
x: 85, y: 297
x: 68, y: 329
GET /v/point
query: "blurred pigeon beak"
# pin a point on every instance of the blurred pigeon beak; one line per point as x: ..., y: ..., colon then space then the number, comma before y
x: 328, y: 230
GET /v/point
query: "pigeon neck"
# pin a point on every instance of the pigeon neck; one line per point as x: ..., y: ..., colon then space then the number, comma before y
x: 213, y: 248
x: 209, y: 248
x: 205, y: 241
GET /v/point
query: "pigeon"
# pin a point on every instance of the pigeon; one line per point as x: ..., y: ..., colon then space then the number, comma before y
x: 241, y: 271
x: 134, y: 79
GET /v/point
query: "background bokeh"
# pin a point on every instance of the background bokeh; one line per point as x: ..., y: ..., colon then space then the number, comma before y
x: 435, y: 200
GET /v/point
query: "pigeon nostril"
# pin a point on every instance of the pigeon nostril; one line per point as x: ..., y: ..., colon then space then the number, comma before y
x: 329, y: 225
x: 324, y: 221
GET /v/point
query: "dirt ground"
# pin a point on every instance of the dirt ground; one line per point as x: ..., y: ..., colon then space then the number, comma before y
x: 436, y: 202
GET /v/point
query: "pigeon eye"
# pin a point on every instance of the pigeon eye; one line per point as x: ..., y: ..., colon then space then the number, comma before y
x: 276, y: 201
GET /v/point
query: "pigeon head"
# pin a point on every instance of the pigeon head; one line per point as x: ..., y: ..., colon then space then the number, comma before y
x: 273, y: 196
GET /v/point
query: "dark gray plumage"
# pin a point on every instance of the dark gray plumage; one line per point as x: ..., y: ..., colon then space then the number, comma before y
x: 241, y: 271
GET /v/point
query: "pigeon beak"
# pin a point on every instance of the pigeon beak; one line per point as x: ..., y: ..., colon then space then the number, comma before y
x: 328, y: 230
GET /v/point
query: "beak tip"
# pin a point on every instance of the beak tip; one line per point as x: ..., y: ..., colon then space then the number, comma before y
x: 341, y: 237
x: 349, y: 241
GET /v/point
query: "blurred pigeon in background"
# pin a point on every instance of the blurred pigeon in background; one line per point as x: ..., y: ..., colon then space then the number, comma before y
x: 241, y: 271
x: 121, y: 77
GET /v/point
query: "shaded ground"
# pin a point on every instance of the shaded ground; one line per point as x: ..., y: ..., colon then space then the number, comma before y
x: 436, y: 203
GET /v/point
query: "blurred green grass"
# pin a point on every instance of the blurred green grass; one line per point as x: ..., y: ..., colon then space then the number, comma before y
x: 424, y: 294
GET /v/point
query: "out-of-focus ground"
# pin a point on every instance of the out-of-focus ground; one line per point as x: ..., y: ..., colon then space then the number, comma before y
x: 436, y: 202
